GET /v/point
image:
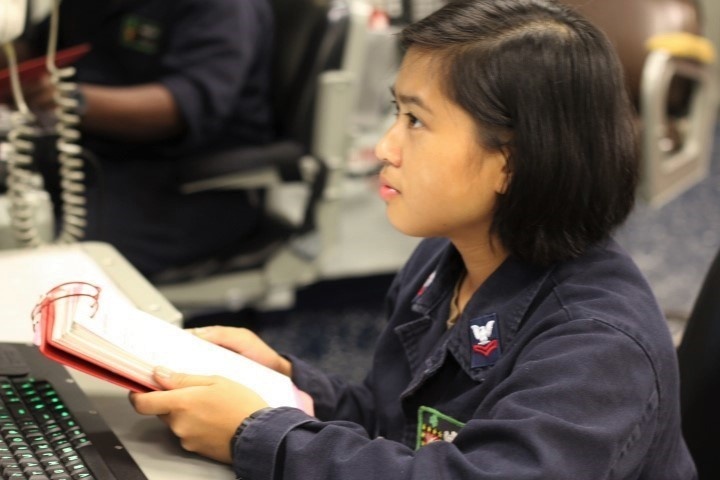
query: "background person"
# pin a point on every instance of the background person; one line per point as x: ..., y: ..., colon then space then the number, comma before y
x: 163, y: 80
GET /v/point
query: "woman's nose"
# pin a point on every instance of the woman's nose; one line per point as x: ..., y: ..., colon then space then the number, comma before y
x: 387, y: 149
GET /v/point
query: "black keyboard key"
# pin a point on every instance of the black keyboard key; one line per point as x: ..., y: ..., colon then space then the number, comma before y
x: 66, y: 452
x: 51, y: 462
x: 33, y: 471
x: 59, y: 475
x: 29, y: 463
x: 11, y: 468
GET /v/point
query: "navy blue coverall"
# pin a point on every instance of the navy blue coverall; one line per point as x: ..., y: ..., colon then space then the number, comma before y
x: 563, y: 373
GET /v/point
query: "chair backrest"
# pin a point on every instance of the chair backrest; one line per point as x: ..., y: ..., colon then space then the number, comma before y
x: 674, y: 94
x: 310, y: 37
x: 630, y: 24
x: 699, y: 359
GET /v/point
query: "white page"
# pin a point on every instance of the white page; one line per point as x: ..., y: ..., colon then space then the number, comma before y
x: 157, y: 343
x: 25, y: 275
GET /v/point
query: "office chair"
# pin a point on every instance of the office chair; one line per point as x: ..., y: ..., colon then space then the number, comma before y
x: 670, y: 75
x: 320, y: 48
x: 309, y: 39
x: 699, y: 360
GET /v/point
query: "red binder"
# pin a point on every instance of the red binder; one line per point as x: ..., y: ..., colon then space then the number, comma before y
x: 97, y: 344
x: 32, y: 69
x: 43, y: 319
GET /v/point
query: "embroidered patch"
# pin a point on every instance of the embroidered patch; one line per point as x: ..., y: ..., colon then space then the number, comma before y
x: 485, y: 341
x: 425, y: 285
x: 434, y: 426
x: 141, y: 34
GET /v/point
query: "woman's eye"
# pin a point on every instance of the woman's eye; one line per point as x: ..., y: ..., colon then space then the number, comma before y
x: 413, y: 121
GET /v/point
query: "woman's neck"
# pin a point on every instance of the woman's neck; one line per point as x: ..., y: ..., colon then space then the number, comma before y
x: 481, y: 260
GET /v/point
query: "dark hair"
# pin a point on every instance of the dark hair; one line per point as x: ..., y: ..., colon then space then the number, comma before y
x: 544, y: 86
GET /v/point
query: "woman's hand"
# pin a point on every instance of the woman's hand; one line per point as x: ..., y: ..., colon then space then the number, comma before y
x: 40, y: 94
x: 247, y: 344
x: 203, y: 411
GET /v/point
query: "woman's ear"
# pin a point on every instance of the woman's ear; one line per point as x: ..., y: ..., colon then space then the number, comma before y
x: 504, y: 174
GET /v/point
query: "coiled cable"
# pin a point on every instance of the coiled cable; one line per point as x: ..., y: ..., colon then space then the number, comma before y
x: 72, y: 176
x: 21, y: 180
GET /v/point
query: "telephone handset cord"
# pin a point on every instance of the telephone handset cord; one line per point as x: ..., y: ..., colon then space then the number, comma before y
x: 21, y: 180
x: 70, y: 159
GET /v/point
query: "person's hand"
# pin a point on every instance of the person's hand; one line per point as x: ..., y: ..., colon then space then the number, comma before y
x: 203, y: 411
x: 247, y: 344
x: 39, y: 94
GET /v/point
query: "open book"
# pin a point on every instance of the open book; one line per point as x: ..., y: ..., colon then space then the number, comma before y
x: 78, y: 327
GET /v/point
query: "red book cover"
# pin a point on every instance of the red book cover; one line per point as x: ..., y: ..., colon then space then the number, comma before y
x: 32, y: 69
x: 44, y: 315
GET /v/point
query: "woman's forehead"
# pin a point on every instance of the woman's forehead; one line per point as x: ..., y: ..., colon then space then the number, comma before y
x: 419, y: 72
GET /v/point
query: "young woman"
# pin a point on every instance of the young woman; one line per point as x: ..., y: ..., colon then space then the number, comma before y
x: 523, y: 343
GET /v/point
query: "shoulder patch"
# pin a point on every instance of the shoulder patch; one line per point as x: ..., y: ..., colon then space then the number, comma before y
x: 485, y: 340
x: 434, y: 426
x: 141, y: 34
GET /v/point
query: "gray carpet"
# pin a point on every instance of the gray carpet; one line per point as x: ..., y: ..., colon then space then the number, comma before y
x: 674, y: 245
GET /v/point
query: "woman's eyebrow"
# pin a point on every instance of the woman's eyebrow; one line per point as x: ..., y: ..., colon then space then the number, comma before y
x: 410, y: 100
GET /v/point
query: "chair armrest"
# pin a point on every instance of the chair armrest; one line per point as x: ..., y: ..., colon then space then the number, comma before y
x: 244, y: 167
x: 670, y: 166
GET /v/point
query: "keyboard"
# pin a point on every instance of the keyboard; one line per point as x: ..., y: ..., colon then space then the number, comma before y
x: 49, y: 429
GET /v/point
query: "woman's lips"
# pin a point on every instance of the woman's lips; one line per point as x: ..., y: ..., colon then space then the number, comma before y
x: 387, y: 192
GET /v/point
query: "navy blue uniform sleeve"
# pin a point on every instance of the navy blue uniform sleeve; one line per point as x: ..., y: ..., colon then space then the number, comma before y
x: 333, y: 396
x: 213, y: 52
x: 532, y: 426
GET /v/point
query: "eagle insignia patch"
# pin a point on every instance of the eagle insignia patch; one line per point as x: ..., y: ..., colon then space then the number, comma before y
x: 485, y: 341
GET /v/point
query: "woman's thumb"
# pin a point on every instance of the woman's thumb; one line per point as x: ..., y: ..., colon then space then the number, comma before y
x: 170, y: 380
x: 165, y: 377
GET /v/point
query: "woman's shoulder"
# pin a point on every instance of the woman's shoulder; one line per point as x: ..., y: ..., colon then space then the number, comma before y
x: 605, y: 285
